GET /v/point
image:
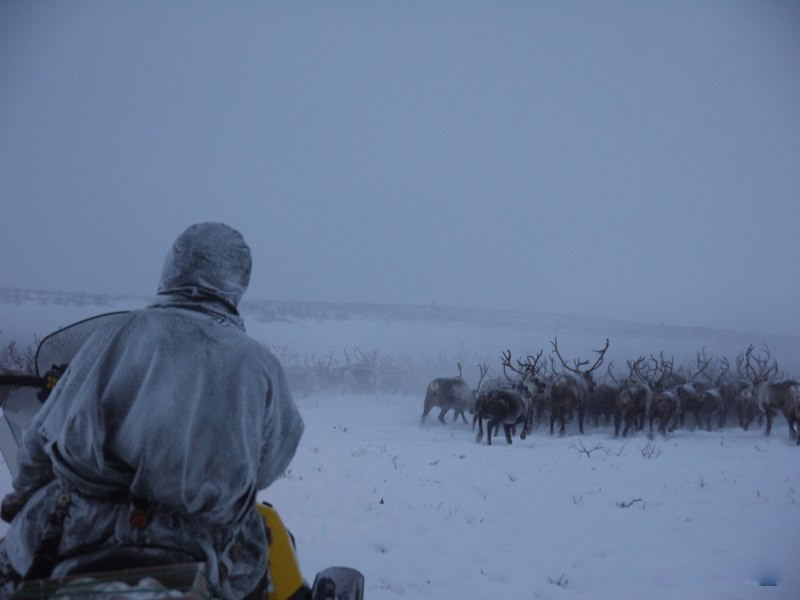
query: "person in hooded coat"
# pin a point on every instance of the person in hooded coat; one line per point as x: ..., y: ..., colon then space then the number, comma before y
x: 162, y: 430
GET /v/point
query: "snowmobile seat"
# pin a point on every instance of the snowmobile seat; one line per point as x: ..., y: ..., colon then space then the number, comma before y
x: 121, y: 557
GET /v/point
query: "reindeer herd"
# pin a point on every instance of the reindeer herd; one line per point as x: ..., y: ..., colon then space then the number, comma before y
x: 652, y: 392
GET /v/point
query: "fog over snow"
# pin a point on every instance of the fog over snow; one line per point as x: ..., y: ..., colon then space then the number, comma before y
x: 618, y: 160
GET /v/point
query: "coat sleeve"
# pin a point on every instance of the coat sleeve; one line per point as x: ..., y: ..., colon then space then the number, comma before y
x: 282, y: 429
x: 35, y: 468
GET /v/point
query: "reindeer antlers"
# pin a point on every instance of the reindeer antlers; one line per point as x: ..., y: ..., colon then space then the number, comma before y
x: 579, y: 363
x: 602, y: 354
x: 554, y: 343
x: 765, y: 370
x: 484, y: 369
x: 702, y: 363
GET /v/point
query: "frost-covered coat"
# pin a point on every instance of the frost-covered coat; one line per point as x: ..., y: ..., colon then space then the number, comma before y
x: 173, y: 404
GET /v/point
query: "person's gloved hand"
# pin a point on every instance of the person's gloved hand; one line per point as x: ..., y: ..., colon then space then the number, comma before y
x: 11, y: 505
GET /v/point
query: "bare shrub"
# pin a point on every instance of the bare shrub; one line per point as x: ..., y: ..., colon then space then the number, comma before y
x: 11, y: 358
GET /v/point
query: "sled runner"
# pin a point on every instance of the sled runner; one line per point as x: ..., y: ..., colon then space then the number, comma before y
x: 21, y: 396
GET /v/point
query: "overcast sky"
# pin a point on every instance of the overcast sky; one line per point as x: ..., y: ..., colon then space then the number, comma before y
x: 637, y: 160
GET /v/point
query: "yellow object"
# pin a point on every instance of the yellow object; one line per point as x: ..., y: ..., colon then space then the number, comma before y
x: 284, y: 568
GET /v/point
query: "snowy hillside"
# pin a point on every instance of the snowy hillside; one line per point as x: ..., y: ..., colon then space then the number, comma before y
x: 415, y: 333
x: 426, y: 512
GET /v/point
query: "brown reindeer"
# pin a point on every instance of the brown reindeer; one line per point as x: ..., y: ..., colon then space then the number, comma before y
x: 499, y: 407
x: 666, y: 407
x: 690, y: 388
x: 712, y: 400
x: 531, y: 385
x: 633, y: 401
x: 570, y: 392
x: 783, y: 396
x: 773, y: 397
x: 450, y: 393
x: 708, y: 403
x: 748, y: 408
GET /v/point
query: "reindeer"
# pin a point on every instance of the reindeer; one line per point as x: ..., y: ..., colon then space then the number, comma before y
x: 732, y: 388
x: 737, y: 393
x: 499, y: 407
x: 688, y: 389
x: 300, y: 379
x: 326, y: 373
x: 633, y: 402
x: 708, y: 402
x: 705, y: 368
x: 721, y: 383
x: 360, y: 376
x: 666, y: 407
x: 712, y: 400
x: 603, y: 400
x: 451, y: 393
x: 531, y: 386
x: 748, y: 408
x: 783, y: 396
x: 571, y: 392
x: 668, y: 378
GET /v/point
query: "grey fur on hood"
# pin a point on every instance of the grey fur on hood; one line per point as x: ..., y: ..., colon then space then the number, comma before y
x: 208, y: 259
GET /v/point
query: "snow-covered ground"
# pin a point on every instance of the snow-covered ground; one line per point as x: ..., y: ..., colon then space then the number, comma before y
x: 426, y: 512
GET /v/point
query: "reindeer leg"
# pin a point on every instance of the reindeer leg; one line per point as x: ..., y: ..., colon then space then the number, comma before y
x: 527, y: 424
x: 479, y: 437
x: 581, y: 415
x: 441, y: 415
x: 461, y: 412
x: 508, y: 433
x: 617, y: 422
x: 493, y: 424
x: 672, y: 422
x: 790, y: 421
x: 425, y: 410
x: 770, y: 416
